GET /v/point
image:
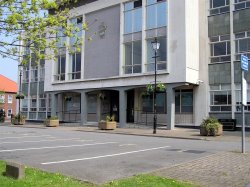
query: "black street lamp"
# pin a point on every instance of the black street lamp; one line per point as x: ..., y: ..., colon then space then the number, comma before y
x: 20, y: 93
x: 156, y: 46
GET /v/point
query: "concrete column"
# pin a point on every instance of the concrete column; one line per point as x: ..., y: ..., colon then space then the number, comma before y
x: 170, y: 107
x: 122, y: 108
x: 53, y: 104
x: 83, y: 108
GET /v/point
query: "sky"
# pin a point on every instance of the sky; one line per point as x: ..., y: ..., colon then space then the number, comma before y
x: 8, y: 68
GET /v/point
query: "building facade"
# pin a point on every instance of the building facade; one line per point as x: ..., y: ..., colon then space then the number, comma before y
x: 8, y: 90
x: 198, y: 62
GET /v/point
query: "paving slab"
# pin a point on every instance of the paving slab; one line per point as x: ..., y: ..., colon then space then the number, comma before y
x: 226, y: 169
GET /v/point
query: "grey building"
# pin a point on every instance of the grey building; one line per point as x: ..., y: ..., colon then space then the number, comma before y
x: 200, y: 44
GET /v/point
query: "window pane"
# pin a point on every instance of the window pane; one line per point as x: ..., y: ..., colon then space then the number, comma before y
x: 220, y: 98
x: 137, y: 21
x: 128, y: 22
x: 161, y: 14
x: 137, y: 69
x: 220, y: 49
x: 78, y: 62
x: 218, y: 3
x: 128, y: 54
x: 151, y: 17
x: 162, y: 53
x: 147, y: 104
x: 137, y: 52
x: 160, y: 102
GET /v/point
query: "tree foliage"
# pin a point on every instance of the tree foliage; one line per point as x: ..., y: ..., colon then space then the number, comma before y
x: 28, y: 24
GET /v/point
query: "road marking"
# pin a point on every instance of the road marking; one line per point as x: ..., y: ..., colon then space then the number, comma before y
x: 51, y: 140
x: 55, y: 147
x: 122, y: 145
x: 14, y: 137
x: 104, y: 156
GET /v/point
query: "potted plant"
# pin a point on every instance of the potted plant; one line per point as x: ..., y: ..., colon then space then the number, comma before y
x: 20, y: 96
x: 109, y: 124
x: 52, y: 121
x: 18, y: 119
x: 211, y: 127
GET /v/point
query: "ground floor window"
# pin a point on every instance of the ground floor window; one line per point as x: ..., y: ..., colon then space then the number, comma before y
x: 147, y: 103
x: 220, y: 98
x: 184, y: 101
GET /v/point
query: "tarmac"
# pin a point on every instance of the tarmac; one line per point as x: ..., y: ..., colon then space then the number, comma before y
x: 224, y: 169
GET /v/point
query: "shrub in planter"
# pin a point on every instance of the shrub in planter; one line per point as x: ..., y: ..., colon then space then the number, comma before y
x: 18, y: 119
x: 210, y: 127
x: 109, y: 124
x: 53, y: 121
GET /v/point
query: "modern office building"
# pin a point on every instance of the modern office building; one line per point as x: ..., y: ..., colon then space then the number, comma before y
x: 198, y: 62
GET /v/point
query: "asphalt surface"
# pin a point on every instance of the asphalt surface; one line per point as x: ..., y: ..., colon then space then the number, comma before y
x: 98, y: 157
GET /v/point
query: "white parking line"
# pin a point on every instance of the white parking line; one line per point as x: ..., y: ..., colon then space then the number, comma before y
x: 51, y: 140
x: 56, y: 147
x: 15, y: 137
x: 104, y: 156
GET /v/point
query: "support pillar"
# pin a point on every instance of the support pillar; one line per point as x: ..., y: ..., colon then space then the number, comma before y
x: 122, y: 108
x: 170, y: 107
x: 83, y: 108
x: 54, y: 101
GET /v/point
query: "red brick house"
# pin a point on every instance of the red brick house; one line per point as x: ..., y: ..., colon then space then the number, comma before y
x: 8, y: 90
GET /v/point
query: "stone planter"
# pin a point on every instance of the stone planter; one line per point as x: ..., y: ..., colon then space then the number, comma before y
x: 51, y: 122
x: 213, y: 132
x: 15, y: 122
x: 107, y: 125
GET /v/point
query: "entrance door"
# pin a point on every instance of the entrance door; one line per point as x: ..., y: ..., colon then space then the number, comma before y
x: 130, y: 106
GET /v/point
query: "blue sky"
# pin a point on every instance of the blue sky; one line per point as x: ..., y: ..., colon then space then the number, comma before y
x: 8, y: 68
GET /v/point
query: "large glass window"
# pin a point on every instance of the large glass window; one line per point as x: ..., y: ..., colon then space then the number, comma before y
x: 156, y: 13
x: 184, y: 101
x: 219, y: 6
x: 242, y: 44
x: 133, y: 54
x: 242, y: 4
x: 133, y: 17
x: 220, y: 98
x: 75, y: 72
x: 75, y: 52
x: 147, y: 103
x: 161, y: 53
x: 33, y: 103
x: 220, y: 49
x: 61, y: 64
x: 34, y: 74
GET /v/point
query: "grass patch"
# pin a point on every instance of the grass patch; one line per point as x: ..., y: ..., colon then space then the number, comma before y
x: 147, y: 181
x: 37, y: 178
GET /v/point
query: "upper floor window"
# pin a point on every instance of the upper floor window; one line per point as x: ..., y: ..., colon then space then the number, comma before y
x: 220, y: 49
x: 34, y: 74
x: 242, y: 42
x: 60, y: 65
x: 161, y: 53
x: 77, y: 30
x: 10, y: 98
x: 133, y: 57
x: 75, y: 67
x: 219, y: 6
x: 156, y: 13
x: 2, y: 98
x: 133, y: 17
x: 241, y: 4
x: 61, y: 38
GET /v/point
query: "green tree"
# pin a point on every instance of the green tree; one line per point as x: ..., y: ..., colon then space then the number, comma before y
x: 33, y: 25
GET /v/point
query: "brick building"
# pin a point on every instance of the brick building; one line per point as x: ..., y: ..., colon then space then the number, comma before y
x: 8, y: 90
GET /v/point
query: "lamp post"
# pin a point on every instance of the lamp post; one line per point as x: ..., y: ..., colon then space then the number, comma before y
x: 20, y: 91
x: 156, y: 46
